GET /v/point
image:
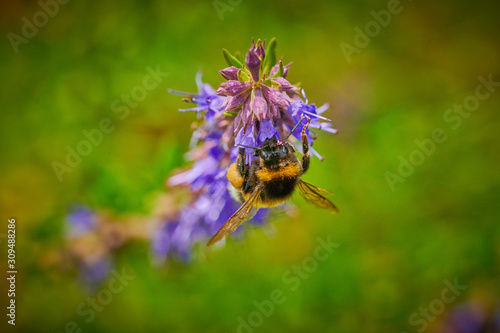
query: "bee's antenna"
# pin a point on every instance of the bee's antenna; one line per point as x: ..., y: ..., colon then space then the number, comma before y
x: 246, y: 146
x: 293, y: 129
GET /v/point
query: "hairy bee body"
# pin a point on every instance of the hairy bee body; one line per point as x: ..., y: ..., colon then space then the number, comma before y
x: 278, y: 182
x: 269, y: 181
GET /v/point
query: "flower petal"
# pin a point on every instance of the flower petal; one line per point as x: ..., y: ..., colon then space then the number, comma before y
x: 323, y: 108
x: 246, y: 110
x: 246, y: 136
x: 253, y: 63
x: 233, y: 102
x: 284, y: 84
x: 267, y: 130
x: 232, y: 88
x: 276, y: 97
x: 229, y: 73
x: 198, y: 108
x: 276, y: 67
x: 274, y: 111
x: 261, y: 49
x: 259, y: 105
x: 181, y: 93
x: 286, y: 68
x: 327, y: 127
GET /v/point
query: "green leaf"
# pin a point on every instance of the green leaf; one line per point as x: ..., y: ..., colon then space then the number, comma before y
x: 231, y: 60
x: 243, y: 76
x: 237, y: 55
x: 270, y: 59
x: 280, y: 71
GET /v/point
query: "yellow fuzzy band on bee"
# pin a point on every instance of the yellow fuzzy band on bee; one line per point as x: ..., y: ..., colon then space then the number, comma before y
x: 292, y: 170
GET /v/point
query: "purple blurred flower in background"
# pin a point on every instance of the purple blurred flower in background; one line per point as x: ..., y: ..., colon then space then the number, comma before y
x: 465, y: 318
x: 472, y: 317
x: 87, y: 246
x: 93, y: 273
x: 256, y: 103
x: 79, y: 222
x: 496, y: 320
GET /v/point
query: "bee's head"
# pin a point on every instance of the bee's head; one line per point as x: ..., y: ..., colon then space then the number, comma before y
x: 272, y: 152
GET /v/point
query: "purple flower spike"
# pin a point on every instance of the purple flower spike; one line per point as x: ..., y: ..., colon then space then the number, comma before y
x: 263, y: 97
x: 255, y: 104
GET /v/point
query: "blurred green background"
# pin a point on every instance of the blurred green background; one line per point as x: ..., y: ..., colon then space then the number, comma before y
x: 396, y: 246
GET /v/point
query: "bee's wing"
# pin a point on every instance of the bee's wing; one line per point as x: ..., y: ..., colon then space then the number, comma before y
x: 237, y: 218
x: 312, y: 194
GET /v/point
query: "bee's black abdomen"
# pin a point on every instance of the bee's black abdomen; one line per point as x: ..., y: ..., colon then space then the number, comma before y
x: 278, y: 189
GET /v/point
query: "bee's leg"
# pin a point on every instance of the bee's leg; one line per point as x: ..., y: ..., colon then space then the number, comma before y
x: 240, y: 162
x: 305, y: 148
x: 244, y: 169
x: 237, y: 172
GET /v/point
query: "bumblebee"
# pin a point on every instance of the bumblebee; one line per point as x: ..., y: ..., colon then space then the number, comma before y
x: 269, y: 180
